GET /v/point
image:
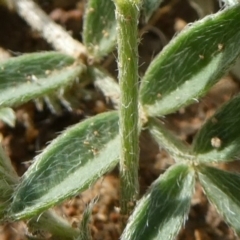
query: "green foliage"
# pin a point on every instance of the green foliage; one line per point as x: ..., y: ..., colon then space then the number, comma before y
x: 163, y: 210
x: 99, y: 30
x: 35, y: 75
x: 230, y: 2
x: 8, y: 180
x: 194, y: 60
x: 44, y: 222
x: 85, y: 232
x: 219, y: 139
x: 222, y: 189
x: 89, y: 149
x: 7, y: 115
x: 184, y: 71
x: 178, y: 149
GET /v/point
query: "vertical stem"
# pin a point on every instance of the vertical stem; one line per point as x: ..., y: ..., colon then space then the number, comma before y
x: 127, y: 14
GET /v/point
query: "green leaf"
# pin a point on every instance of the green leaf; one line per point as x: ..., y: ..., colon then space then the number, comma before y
x: 8, y: 116
x: 219, y: 138
x: 230, y: 2
x: 8, y: 181
x: 222, y: 188
x: 33, y: 75
x: 191, y: 63
x: 50, y: 221
x: 85, y: 231
x: 149, y: 7
x: 69, y: 165
x: 162, y: 211
x: 166, y: 139
x: 107, y: 84
x: 99, y: 29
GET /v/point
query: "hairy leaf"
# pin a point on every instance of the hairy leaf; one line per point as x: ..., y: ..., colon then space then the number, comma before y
x: 106, y: 84
x: 33, y: 75
x: 99, y: 29
x: 69, y: 165
x: 162, y: 211
x: 166, y: 139
x: 228, y: 3
x: 193, y: 61
x: 50, y: 221
x: 222, y: 188
x: 8, y: 116
x: 219, y: 138
x: 8, y: 181
x: 85, y: 231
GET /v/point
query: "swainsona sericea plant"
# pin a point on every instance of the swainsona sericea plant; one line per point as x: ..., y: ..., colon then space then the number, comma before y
x: 185, y: 70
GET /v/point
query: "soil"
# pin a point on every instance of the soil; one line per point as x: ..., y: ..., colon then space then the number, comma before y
x: 35, y: 128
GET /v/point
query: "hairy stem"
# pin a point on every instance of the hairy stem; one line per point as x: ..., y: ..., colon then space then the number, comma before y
x: 127, y: 14
x: 52, y: 32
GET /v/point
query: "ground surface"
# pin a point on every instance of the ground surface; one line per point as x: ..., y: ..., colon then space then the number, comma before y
x: 35, y: 128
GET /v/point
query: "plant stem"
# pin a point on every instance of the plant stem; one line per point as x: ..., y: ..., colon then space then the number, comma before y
x: 52, y: 32
x: 127, y: 14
